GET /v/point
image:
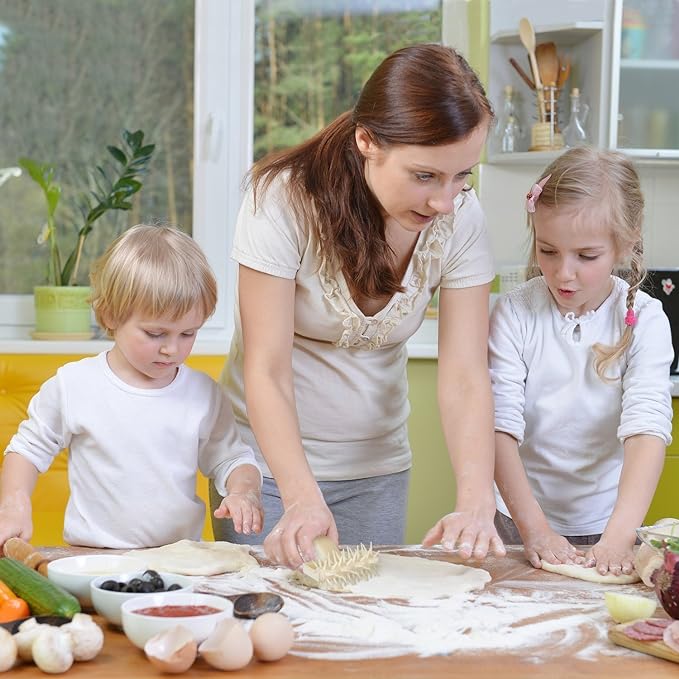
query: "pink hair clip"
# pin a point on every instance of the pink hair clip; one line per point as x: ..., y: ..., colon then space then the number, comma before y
x: 534, y: 193
x: 630, y: 318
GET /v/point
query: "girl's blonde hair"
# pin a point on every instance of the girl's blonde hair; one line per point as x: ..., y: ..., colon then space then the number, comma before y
x: 154, y: 271
x: 606, y: 184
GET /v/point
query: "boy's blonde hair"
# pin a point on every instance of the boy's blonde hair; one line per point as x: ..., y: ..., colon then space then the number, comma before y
x: 154, y: 271
x: 606, y: 184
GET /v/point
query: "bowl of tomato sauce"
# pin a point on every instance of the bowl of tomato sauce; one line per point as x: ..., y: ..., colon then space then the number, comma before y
x: 145, y: 615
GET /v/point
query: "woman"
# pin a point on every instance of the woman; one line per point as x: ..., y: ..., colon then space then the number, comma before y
x: 342, y: 241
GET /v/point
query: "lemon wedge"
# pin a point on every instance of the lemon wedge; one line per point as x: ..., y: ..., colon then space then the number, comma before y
x: 628, y: 607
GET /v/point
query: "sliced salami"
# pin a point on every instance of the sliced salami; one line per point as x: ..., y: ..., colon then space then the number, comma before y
x: 644, y: 632
x: 659, y: 622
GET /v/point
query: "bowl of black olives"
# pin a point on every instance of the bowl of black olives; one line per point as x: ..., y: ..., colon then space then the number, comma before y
x: 109, y: 592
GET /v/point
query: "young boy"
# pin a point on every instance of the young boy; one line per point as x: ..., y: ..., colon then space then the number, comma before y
x: 137, y: 422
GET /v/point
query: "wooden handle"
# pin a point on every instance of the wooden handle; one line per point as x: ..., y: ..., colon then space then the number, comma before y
x: 19, y: 549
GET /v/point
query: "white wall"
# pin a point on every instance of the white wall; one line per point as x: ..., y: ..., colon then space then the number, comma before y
x: 503, y: 188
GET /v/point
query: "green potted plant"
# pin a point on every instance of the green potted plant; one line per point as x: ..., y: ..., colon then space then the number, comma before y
x: 62, y: 309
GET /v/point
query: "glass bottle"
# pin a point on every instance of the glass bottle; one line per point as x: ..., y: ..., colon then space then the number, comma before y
x: 508, y: 130
x: 574, y: 133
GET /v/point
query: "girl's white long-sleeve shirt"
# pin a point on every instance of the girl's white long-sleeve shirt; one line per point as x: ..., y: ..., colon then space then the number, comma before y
x: 570, y: 424
x: 133, y: 453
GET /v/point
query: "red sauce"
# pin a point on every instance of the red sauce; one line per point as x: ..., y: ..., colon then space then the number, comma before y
x: 176, y: 611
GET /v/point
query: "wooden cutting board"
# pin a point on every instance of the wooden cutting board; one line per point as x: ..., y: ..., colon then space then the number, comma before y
x: 658, y: 648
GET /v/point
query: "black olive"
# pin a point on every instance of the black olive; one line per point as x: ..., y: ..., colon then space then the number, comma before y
x: 158, y: 584
x: 110, y: 585
x: 149, y: 575
x: 147, y: 588
x: 174, y: 586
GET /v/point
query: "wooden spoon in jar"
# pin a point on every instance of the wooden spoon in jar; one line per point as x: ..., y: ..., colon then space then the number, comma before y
x: 527, y: 36
x: 548, y: 63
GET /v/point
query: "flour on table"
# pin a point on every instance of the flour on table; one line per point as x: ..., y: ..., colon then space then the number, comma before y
x: 573, y: 570
x: 560, y: 619
x: 412, y: 577
x: 188, y: 557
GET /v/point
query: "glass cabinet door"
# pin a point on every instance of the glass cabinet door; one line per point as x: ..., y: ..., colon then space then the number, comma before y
x: 648, y: 86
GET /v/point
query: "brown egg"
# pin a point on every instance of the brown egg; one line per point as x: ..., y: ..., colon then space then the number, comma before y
x: 272, y: 636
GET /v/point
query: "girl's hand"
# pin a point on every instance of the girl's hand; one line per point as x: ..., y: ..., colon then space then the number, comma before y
x: 290, y: 542
x: 15, y: 523
x: 550, y: 546
x: 473, y: 534
x: 244, y: 509
x: 611, y: 556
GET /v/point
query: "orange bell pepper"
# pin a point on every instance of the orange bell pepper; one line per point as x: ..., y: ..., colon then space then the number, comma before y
x: 11, y: 606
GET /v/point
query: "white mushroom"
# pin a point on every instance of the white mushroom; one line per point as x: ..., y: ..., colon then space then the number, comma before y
x: 25, y: 637
x: 228, y: 647
x: 52, y: 650
x: 8, y: 650
x: 173, y: 650
x: 86, y: 636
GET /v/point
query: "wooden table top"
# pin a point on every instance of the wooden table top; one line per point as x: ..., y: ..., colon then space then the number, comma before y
x: 120, y: 658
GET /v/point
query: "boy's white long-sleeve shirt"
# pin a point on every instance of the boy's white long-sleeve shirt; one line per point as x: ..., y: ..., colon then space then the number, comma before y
x: 570, y: 424
x: 133, y: 453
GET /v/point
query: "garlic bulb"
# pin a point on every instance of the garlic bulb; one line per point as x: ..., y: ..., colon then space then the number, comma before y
x: 173, y: 650
x: 25, y: 637
x: 52, y: 650
x: 8, y: 650
x: 87, y: 638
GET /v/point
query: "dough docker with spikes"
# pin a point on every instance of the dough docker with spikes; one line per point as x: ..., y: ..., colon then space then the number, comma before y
x: 336, y: 569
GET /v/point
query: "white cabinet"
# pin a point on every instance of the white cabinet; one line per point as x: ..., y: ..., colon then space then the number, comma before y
x: 645, y: 79
x: 582, y: 35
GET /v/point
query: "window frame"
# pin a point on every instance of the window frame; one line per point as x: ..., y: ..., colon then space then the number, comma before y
x: 222, y: 154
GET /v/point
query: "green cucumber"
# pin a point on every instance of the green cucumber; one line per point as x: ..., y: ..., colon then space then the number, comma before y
x: 42, y: 596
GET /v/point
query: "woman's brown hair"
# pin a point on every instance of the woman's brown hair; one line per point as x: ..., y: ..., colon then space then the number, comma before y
x: 423, y: 95
x: 607, y: 184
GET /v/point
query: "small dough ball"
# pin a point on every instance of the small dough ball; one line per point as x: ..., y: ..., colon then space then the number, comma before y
x: 272, y: 636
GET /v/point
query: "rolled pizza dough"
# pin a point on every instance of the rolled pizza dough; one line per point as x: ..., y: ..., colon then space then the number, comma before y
x: 579, y: 572
x: 412, y: 577
x: 188, y: 557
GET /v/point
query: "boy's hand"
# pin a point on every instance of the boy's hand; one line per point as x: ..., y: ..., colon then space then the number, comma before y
x: 244, y: 509
x: 550, y: 546
x: 15, y: 523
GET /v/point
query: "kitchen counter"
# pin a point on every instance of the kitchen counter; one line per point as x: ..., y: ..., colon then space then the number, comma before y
x: 583, y: 652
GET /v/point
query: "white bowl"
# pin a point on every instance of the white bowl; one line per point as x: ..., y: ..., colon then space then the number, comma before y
x: 107, y: 602
x: 74, y: 573
x: 139, y: 628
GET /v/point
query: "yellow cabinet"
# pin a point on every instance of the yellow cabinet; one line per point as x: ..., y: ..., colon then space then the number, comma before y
x: 665, y: 502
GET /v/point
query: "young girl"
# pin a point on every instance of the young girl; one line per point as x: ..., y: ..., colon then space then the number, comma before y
x: 580, y: 371
x: 341, y: 242
x: 138, y: 423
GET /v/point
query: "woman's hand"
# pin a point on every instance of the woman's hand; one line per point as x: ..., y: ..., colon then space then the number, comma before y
x: 290, y: 542
x: 611, y: 556
x: 549, y: 546
x: 471, y: 533
x: 244, y: 509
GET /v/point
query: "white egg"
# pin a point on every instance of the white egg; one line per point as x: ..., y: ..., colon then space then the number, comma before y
x: 173, y: 650
x: 228, y: 647
x: 272, y: 636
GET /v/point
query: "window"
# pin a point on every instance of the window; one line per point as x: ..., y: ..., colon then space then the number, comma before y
x: 74, y: 73
x: 313, y: 56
